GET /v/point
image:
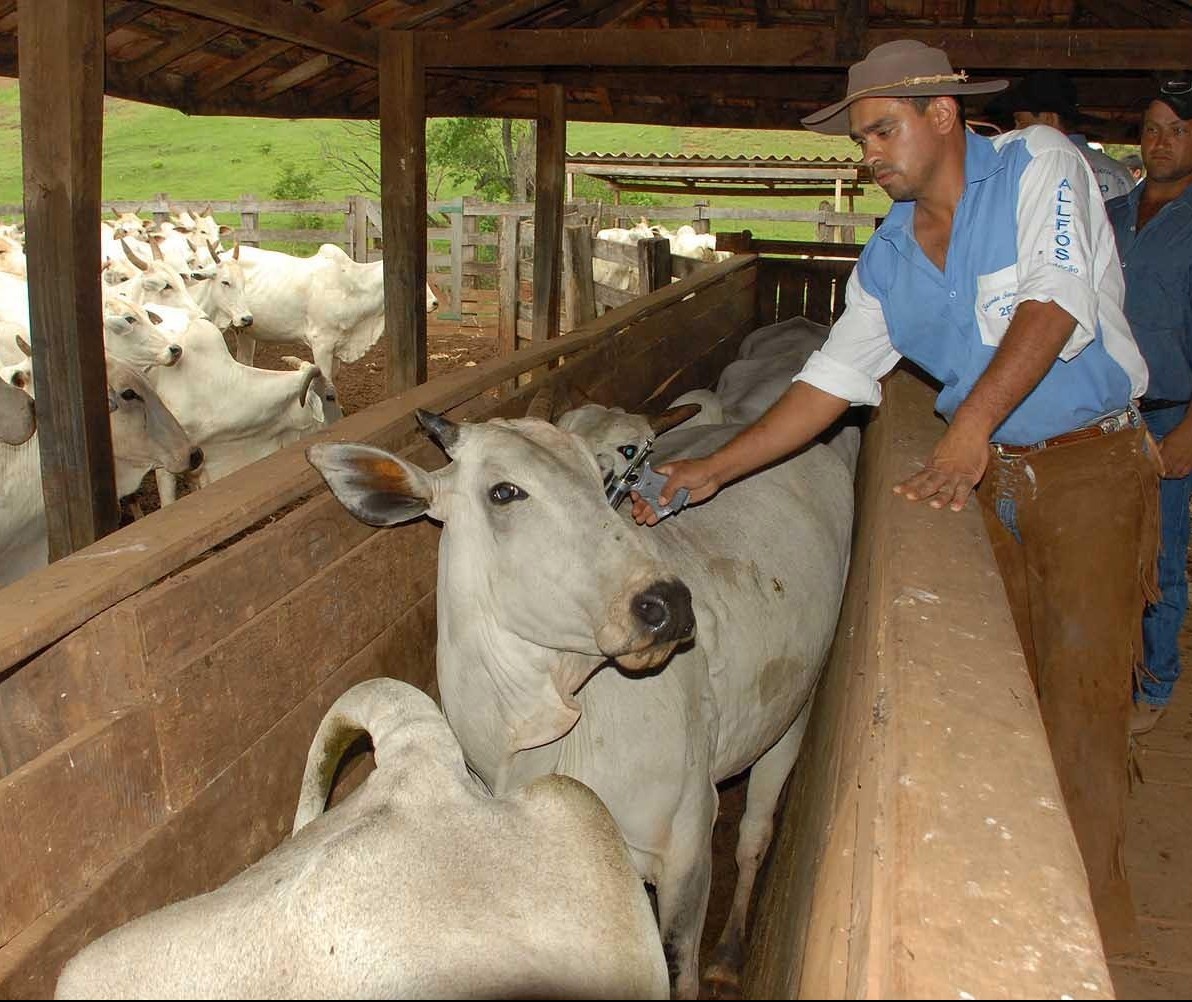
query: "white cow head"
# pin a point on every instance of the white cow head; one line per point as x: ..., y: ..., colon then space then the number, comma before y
x: 616, y: 437
x: 224, y: 298
x: 145, y: 434
x: 17, y: 421
x: 131, y: 334
x: 529, y: 544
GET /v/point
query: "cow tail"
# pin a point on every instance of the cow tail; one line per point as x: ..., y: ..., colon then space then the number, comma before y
x: 376, y: 708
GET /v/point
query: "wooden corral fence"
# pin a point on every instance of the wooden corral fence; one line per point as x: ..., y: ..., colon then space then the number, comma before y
x: 159, y: 688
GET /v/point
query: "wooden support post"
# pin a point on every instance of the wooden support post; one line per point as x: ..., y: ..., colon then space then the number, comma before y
x: 161, y: 207
x: 403, y: 207
x: 548, y: 209
x: 579, y: 292
x: 457, y: 263
x: 653, y: 264
x: 61, y: 53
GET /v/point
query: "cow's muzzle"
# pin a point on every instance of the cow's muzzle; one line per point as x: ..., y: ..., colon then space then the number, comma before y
x: 660, y: 618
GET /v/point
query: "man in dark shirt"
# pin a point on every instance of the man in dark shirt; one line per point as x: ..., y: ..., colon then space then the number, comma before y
x: 1153, y: 227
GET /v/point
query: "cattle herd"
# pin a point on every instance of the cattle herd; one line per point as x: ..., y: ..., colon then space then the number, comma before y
x: 597, y: 679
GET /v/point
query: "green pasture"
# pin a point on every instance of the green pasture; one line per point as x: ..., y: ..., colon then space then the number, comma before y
x: 148, y: 149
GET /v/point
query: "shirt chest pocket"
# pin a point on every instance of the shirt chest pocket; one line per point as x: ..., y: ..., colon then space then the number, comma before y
x: 997, y: 294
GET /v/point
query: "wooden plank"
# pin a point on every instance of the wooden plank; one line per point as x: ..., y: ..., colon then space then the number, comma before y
x: 47, y: 604
x: 549, y: 190
x: 293, y: 77
x: 689, y: 47
x: 66, y: 815
x: 87, y: 676
x: 851, y: 21
x: 278, y: 20
x: 653, y: 264
x: 580, y: 298
x: 403, y: 200
x: 234, y: 821
x: 61, y: 54
x: 819, y: 298
x: 792, y: 294
x: 507, y: 286
x: 249, y: 680
x: 1059, y: 48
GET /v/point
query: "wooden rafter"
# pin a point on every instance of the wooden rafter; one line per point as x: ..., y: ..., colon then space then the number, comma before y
x: 170, y: 51
x: 505, y: 13
x: 294, y: 77
x: 291, y: 24
x: 125, y: 15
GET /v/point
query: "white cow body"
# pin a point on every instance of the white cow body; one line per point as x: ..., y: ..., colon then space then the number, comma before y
x: 533, y: 568
x: 419, y: 885
x: 327, y: 301
x: 236, y: 413
x: 145, y: 436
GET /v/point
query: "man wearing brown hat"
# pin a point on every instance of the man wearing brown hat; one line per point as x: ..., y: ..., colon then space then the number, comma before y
x: 995, y: 270
x: 1048, y: 97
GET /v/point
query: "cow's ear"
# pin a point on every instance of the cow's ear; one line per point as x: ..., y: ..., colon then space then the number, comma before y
x: 374, y: 485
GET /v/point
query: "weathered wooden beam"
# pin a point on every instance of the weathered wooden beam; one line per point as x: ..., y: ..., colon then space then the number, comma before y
x: 1058, y: 48
x: 809, y: 46
x: 629, y: 47
x: 403, y: 208
x: 283, y: 21
x: 169, y: 51
x: 503, y: 14
x: 852, y: 20
x: 124, y: 15
x: 549, y: 188
x: 212, y: 81
x: 61, y: 46
x: 294, y: 76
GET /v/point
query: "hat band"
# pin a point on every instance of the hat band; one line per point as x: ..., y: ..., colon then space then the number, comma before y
x: 960, y: 77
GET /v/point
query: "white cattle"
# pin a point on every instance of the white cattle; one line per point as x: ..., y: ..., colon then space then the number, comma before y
x: 419, y: 885
x: 222, y: 296
x: 130, y: 334
x: 17, y: 421
x: 329, y: 302
x: 684, y: 242
x: 12, y: 256
x: 156, y: 283
x: 145, y: 436
x: 542, y: 584
x: 236, y: 413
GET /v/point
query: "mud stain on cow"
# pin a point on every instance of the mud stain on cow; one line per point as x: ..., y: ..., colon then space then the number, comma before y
x: 775, y: 678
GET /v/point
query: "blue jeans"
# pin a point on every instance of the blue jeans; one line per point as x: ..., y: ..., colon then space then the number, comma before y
x: 1162, y: 621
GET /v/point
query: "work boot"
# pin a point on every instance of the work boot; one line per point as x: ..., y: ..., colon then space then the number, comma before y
x: 1144, y: 717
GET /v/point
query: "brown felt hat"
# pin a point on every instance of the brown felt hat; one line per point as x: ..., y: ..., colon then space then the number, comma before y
x: 905, y: 68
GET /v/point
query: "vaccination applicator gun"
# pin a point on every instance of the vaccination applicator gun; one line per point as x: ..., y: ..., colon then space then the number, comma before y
x: 638, y: 476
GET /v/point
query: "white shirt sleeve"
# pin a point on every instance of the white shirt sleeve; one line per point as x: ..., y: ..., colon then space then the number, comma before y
x: 1056, y: 251
x: 858, y: 351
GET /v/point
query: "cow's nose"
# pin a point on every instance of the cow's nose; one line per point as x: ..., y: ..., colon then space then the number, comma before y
x: 245, y: 321
x: 175, y: 351
x: 665, y: 609
x: 196, y: 458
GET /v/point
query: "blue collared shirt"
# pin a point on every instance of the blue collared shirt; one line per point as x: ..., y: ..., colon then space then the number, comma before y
x: 1030, y: 225
x: 1158, y: 265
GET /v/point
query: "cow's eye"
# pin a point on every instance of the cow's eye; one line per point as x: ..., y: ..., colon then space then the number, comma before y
x: 129, y: 394
x: 628, y: 451
x: 505, y: 492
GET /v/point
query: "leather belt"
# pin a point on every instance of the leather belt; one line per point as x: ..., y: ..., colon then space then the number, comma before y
x: 1128, y: 418
x: 1154, y: 404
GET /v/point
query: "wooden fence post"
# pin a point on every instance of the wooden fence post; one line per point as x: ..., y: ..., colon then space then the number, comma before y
x: 653, y: 264
x: 507, y: 257
x: 579, y: 293
x: 358, y: 227
x: 250, y: 220
x: 456, y: 214
x: 161, y: 208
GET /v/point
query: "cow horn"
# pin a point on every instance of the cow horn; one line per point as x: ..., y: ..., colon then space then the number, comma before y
x: 236, y: 251
x: 542, y: 406
x: 311, y: 373
x: 155, y: 248
x: 671, y: 417
x: 24, y: 346
x: 214, y: 249
x: 131, y: 255
x: 206, y: 211
x: 443, y: 430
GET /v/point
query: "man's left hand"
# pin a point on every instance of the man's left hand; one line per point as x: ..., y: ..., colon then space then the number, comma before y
x: 955, y: 469
x: 1176, y: 451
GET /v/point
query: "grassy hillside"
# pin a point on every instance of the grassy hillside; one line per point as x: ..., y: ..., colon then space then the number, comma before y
x: 149, y: 149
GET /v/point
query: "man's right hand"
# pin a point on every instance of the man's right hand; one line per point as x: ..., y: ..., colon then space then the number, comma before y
x: 697, y: 475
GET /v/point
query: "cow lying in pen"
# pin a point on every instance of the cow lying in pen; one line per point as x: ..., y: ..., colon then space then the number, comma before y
x: 418, y: 885
x: 542, y: 584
